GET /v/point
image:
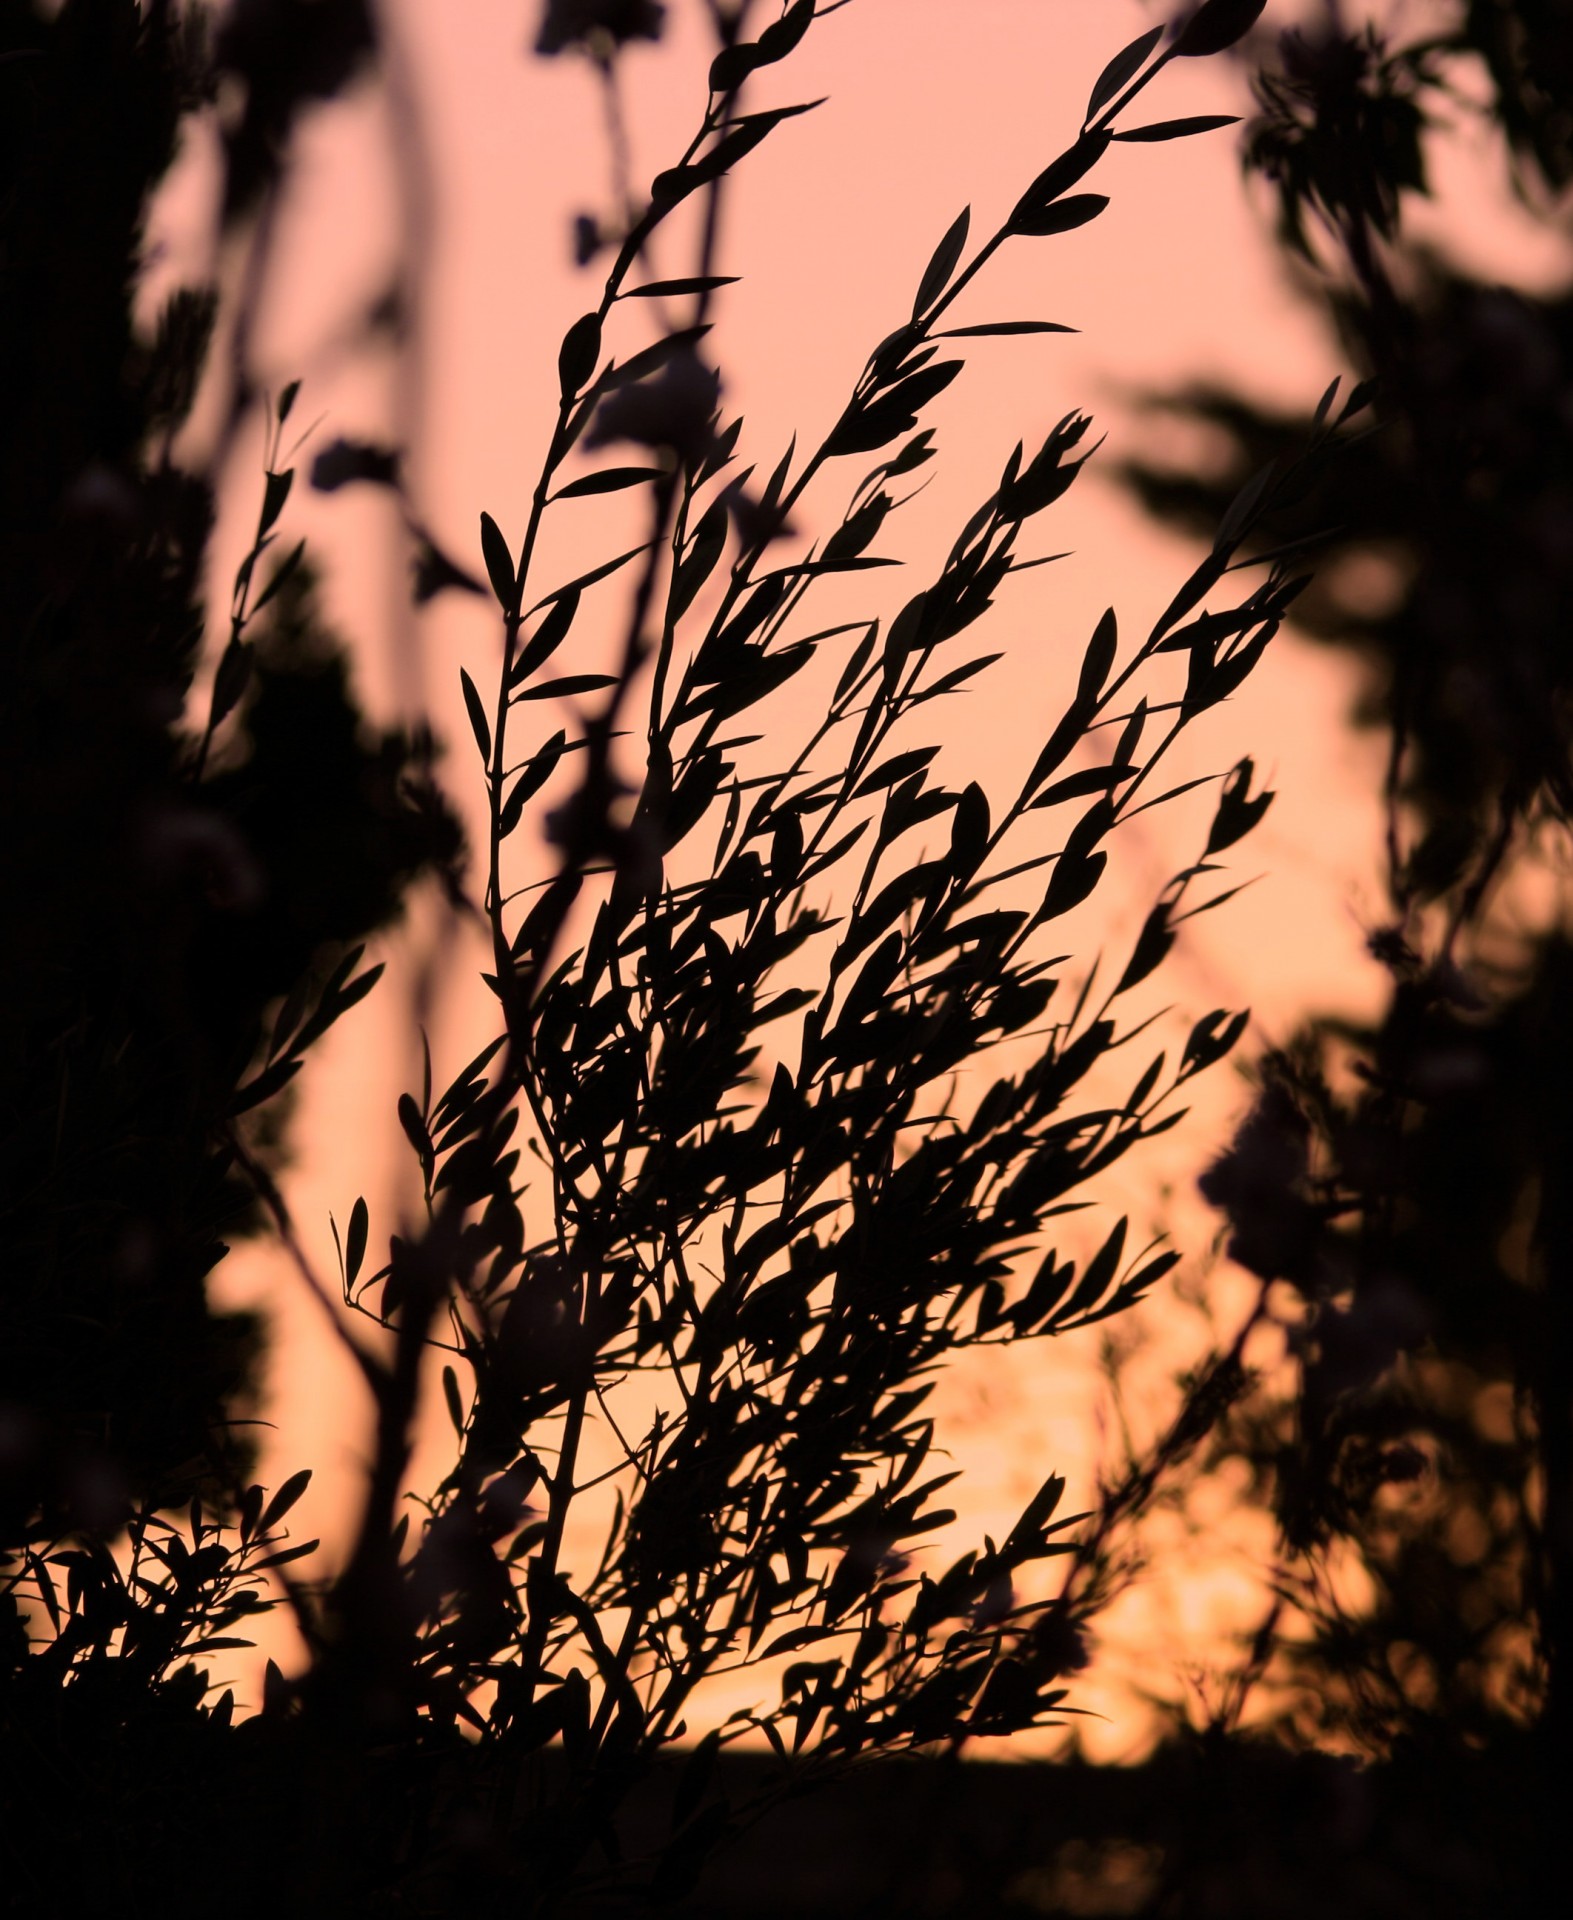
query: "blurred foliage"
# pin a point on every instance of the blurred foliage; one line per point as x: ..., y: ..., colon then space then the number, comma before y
x: 164, y: 893
x: 1404, y: 1187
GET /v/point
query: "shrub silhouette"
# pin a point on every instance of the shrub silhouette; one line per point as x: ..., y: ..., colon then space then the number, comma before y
x: 637, y: 1191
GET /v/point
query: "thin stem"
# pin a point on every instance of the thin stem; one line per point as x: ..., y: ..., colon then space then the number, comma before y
x: 370, y: 1369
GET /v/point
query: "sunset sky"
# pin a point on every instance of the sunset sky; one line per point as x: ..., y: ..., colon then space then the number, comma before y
x: 457, y: 180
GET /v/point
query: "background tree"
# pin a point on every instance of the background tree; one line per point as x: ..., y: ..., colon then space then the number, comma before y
x: 180, y: 912
x: 1405, y: 1184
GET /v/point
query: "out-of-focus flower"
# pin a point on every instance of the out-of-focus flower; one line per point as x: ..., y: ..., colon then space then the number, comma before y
x: 199, y: 846
x: 1354, y: 1345
x: 754, y: 521
x: 599, y: 26
x: 1260, y: 1183
x: 343, y: 462
x: 675, y: 408
x: 587, y: 239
